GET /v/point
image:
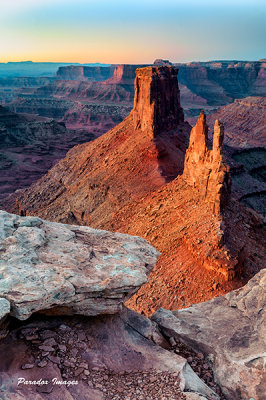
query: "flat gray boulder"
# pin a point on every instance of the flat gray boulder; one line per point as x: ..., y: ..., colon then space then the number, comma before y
x: 67, y: 269
x: 231, y: 331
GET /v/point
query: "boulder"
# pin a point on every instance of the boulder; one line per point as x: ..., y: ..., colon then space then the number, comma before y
x: 230, y: 330
x: 67, y: 269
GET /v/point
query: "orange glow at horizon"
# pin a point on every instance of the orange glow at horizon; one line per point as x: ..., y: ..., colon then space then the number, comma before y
x: 136, y: 31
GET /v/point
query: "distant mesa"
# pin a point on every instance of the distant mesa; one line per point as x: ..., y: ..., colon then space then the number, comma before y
x: 81, y: 73
x: 161, y: 62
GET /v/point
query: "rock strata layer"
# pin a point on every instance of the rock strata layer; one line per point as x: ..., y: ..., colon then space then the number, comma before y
x: 68, y: 269
x: 231, y: 331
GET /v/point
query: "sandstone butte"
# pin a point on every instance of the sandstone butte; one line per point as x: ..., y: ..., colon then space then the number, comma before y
x: 138, y: 178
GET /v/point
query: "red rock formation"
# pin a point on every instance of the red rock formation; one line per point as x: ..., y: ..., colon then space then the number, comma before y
x: 127, y: 181
x: 157, y: 100
x: 205, y: 169
x: 97, y: 179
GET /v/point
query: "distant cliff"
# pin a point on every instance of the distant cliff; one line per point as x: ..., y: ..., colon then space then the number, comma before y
x: 222, y: 82
x: 80, y: 73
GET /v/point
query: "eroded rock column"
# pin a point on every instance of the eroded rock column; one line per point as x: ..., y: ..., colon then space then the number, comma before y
x: 206, y: 169
x: 157, y: 100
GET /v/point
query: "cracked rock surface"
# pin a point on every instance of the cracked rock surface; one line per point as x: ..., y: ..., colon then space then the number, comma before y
x: 66, y: 269
x: 230, y: 331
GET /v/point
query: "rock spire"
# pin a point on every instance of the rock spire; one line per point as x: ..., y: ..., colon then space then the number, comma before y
x: 157, y: 99
x: 206, y: 169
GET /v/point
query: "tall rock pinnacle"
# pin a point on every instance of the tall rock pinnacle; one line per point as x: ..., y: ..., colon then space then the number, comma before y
x: 205, y: 169
x: 157, y: 100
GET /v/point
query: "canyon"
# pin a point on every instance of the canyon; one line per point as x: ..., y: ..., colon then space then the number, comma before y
x: 203, y: 85
x: 90, y: 100
x: 84, y: 295
x: 146, y: 177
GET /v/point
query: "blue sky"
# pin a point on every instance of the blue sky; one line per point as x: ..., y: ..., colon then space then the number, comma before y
x: 132, y: 31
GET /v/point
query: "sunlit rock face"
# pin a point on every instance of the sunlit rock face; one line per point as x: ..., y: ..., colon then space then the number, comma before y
x: 206, y: 169
x: 157, y: 100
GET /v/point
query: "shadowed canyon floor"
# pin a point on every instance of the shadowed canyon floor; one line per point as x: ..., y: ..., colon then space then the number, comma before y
x: 30, y: 146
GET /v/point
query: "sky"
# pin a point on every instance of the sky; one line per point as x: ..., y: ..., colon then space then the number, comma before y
x: 132, y: 31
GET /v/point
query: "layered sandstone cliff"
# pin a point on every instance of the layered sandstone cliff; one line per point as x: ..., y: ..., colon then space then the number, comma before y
x: 124, y: 74
x: 224, y: 81
x: 83, y: 73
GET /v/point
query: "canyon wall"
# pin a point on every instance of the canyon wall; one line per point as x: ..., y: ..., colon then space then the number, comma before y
x: 222, y: 82
x: 244, y: 122
x: 124, y: 74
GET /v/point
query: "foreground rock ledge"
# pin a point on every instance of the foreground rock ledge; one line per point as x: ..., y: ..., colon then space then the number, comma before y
x: 67, y: 269
x: 230, y: 330
x: 112, y: 357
